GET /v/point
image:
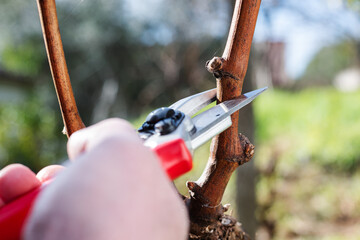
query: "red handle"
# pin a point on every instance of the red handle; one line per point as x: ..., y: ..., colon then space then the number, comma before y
x: 174, y: 156
x: 14, y: 214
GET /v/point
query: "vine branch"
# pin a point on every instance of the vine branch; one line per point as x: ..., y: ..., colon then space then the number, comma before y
x: 228, y: 150
x: 58, y: 67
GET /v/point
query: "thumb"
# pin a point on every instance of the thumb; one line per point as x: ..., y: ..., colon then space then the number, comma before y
x: 88, y: 138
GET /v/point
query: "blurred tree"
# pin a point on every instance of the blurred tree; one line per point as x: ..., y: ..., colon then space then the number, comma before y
x: 246, y: 174
x: 29, y: 134
x: 152, y: 58
x: 328, y: 62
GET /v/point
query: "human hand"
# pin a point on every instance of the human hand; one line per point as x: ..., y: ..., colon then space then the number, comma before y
x: 17, y: 179
x: 115, y: 190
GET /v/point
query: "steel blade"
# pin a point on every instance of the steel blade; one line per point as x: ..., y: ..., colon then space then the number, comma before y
x: 236, y: 104
x: 194, y: 103
x: 213, y: 121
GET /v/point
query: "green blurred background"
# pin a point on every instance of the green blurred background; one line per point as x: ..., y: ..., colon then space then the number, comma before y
x: 126, y: 58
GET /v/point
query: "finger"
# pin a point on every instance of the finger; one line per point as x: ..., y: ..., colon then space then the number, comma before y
x: 90, y: 137
x: 15, y: 180
x: 49, y: 172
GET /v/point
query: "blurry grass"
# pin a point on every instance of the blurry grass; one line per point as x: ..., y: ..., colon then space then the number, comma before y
x: 311, y: 204
x: 321, y: 125
x: 311, y: 141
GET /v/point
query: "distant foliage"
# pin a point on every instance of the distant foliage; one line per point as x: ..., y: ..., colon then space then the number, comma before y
x: 329, y: 61
x: 23, y: 59
x: 151, y: 57
x: 317, y: 125
x: 28, y: 134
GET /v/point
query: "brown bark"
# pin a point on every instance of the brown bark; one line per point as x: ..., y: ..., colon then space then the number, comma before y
x: 59, y: 71
x: 228, y: 150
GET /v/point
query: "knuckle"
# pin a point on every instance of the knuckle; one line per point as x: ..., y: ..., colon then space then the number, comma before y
x: 117, y: 123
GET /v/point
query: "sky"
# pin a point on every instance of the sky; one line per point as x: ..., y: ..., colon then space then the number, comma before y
x: 305, y: 26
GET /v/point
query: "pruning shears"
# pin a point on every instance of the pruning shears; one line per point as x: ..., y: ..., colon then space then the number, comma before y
x: 173, y: 133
